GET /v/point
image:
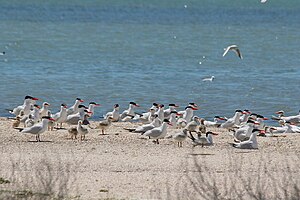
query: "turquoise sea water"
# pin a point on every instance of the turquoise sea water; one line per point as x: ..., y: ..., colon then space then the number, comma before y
x: 158, y: 51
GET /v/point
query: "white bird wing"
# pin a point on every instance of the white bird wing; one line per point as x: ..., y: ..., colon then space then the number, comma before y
x: 154, y: 133
x: 246, y: 145
x: 34, y: 129
x: 226, y: 50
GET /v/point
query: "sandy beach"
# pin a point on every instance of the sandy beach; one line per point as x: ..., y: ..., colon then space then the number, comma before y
x: 124, y: 165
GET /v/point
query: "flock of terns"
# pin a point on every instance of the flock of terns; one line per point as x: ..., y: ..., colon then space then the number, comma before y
x: 245, y: 126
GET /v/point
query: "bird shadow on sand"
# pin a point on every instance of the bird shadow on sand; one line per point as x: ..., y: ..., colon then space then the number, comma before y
x: 202, y: 154
x: 105, y: 134
x: 43, y: 141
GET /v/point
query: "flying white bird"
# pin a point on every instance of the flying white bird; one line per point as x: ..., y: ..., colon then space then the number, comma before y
x: 263, y: 1
x: 209, y: 79
x: 233, y: 48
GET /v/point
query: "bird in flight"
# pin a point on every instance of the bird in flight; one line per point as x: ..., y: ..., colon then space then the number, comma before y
x: 209, y: 79
x: 233, y: 48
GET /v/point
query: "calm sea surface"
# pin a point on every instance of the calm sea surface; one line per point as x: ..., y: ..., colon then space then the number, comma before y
x: 158, y: 51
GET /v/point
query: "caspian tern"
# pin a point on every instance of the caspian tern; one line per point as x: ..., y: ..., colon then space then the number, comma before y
x: 146, y: 127
x: 147, y: 117
x: 248, y: 144
x: 187, y: 115
x: 91, y: 107
x: 260, y: 119
x: 155, y: 106
x: 203, y: 140
x: 158, y: 132
x: 36, y: 113
x: 61, y: 116
x: 74, y: 109
x: 73, y: 119
x: 129, y: 112
x: 231, y: 122
x: 233, y: 48
x: 115, y: 114
x: 173, y: 118
x: 215, y: 123
x: 44, y: 109
x: 39, y: 128
x: 160, y: 112
x: 245, y: 132
x: 295, y: 119
x: 167, y: 112
x: 28, y: 101
x: 244, y: 118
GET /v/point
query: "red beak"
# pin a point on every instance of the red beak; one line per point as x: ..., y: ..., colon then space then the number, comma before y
x: 51, y: 119
x: 262, y: 132
x: 176, y: 106
x: 193, y: 108
x: 170, y: 124
x: 137, y: 105
x: 257, y: 123
x: 221, y: 118
x: 97, y: 104
x: 179, y: 114
x: 81, y: 100
x: 35, y: 99
x: 214, y: 133
x: 265, y: 118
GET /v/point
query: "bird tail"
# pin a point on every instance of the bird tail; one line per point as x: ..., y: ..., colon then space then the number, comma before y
x: 18, y: 128
x: 130, y: 129
x: 275, y: 118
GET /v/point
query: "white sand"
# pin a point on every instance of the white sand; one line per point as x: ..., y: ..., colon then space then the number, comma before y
x: 124, y: 165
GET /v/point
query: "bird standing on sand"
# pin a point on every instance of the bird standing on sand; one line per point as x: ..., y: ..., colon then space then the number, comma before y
x: 39, y: 128
x: 233, y: 48
x: 180, y: 137
x: 192, y: 125
x: 158, y: 132
x: 73, y: 132
x: 82, y: 131
x: 16, y: 122
x: 44, y: 110
x: 61, y: 116
x: 105, y: 124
